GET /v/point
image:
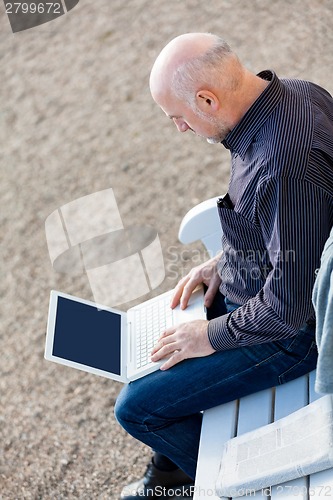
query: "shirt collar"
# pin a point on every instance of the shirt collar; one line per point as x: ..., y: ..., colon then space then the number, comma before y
x: 241, y: 136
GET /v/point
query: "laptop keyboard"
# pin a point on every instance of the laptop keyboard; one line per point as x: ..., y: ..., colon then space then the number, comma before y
x: 149, y: 323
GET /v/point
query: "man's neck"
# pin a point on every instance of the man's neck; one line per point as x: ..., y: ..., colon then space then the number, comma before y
x: 252, y: 87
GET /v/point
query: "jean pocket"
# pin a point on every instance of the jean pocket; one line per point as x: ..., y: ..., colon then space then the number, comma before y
x: 301, y: 366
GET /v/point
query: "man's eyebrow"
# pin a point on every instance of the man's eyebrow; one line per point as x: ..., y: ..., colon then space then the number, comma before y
x: 173, y: 116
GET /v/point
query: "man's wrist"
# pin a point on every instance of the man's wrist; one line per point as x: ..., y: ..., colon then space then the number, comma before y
x: 218, y: 334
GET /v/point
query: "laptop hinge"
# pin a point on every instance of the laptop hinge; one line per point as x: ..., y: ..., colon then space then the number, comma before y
x: 130, y: 341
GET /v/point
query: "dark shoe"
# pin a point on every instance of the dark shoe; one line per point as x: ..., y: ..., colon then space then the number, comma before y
x: 157, y: 483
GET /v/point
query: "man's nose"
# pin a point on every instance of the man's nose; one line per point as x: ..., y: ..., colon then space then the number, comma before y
x: 181, y: 124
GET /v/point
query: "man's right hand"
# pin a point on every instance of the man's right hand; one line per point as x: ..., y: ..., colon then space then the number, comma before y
x: 204, y: 273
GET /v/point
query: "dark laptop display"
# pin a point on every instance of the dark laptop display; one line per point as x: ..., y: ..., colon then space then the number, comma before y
x: 88, y: 335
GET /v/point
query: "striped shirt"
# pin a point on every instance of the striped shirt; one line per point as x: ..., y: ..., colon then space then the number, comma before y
x: 277, y: 214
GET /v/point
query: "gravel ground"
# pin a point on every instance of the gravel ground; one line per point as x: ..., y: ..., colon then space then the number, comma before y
x: 76, y: 118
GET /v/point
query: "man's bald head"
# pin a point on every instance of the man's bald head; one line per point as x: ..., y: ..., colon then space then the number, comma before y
x: 179, y: 51
x: 192, y: 61
x: 199, y: 82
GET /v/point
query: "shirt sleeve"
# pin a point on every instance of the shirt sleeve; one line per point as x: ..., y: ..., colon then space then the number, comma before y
x: 294, y: 220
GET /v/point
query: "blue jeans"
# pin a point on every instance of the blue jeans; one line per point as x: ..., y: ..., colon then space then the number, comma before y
x: 163, y: 409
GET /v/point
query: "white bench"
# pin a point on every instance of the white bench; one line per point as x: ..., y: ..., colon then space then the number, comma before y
x: 237, y: 417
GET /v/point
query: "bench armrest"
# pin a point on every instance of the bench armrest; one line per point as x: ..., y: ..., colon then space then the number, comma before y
x: 202, y: 223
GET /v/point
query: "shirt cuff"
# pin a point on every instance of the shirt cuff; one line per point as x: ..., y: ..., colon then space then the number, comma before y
x: 218, y: 334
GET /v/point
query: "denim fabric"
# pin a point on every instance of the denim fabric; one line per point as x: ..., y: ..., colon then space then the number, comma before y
x: 163, y: 409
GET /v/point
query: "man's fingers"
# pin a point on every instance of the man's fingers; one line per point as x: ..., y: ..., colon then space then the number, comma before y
x: 172, y: 361
x: 176, y: 297
x: 178, y: 292
x: 164, y: 339
x: 204, y: 273
x: 211, y: 291
x: 188, y: 289
x: 193, y: 280
x: 165, y: 346
x: 161, y: 353
x: 184, y: 289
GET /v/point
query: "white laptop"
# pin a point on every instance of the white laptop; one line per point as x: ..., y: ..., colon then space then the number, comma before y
x: 109, y: 342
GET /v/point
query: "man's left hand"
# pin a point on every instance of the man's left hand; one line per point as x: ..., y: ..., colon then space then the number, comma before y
x: 187, y: 340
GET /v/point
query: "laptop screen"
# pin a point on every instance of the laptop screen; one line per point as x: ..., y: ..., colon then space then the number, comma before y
x: 87, y: 335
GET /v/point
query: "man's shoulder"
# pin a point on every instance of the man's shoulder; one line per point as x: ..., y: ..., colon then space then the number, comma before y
x: 296, y: 84
x: 302, y: 123
x: 307, y: 92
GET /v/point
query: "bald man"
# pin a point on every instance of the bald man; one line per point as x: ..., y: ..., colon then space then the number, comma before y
x: 275, y: 219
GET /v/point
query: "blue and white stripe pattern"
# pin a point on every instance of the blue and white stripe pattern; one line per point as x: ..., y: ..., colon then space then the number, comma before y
x: 277, y: 214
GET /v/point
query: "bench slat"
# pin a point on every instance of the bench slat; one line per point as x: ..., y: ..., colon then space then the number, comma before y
x: 291, y: 397
x: 321, y: 483
x: 255, y: 411
x: 217, y: 427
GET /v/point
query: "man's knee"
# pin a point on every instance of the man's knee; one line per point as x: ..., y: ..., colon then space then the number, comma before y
x: 123, y: 409
x: 129, y: 408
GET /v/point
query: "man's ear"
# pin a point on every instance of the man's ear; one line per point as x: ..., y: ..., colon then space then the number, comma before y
x: 207, y: 101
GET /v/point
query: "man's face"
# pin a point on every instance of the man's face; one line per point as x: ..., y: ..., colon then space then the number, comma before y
x: 185, y: 118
